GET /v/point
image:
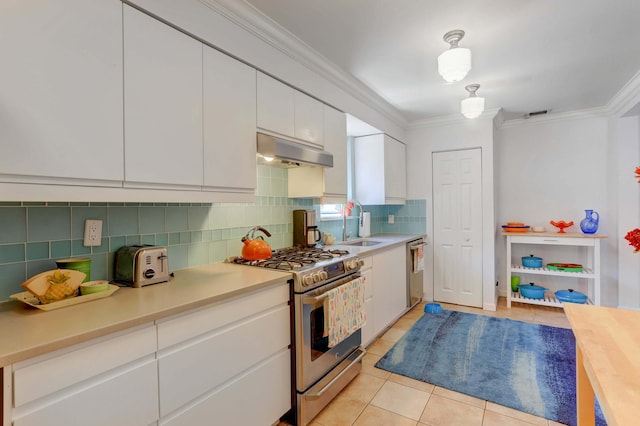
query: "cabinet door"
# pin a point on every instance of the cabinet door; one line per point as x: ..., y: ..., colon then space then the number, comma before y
x: 369, y: 162
x: 229, y: 122
x: 127, y: 398
x: 308, y: 119
x: 395, y: 171
x: 163, y: 103
x: 368, y: 329
x: 275, y: 106
x: 390, y: 286
x: 61, y: 90
x: 335, y: 141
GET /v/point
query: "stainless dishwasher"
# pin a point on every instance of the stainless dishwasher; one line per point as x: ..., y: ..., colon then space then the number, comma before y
x: 415, y: 271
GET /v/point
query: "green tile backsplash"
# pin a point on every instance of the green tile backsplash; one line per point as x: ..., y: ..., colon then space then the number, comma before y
x: 34, y: 235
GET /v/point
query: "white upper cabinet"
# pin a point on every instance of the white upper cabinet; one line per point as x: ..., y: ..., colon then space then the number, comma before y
x: 229, y: 123
x: 162, y: 104
x: 275, y: 106
x: 61, y: 92
x: 335, y: 141
x: 288, y: 112
x: 308, y: 119
x: 330, y: 183
x: 380, y: 170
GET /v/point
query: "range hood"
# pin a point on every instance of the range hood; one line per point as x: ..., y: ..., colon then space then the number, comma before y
x: 279, y: 152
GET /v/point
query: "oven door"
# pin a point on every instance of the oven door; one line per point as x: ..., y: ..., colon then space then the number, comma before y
x: 314, y: 357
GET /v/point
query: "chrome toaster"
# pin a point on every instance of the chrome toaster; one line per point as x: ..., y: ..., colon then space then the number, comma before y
x: 140, y: 265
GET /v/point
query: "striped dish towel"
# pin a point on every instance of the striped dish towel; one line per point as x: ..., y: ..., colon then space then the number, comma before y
x: 344, y: 310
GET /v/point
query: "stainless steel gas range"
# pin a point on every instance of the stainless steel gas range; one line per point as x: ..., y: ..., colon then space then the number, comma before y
x: 321, y: 372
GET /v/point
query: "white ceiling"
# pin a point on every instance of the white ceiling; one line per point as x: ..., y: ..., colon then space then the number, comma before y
x: 527, y: 55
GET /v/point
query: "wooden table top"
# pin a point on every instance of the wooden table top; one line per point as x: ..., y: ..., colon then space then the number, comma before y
x: 609, y: 339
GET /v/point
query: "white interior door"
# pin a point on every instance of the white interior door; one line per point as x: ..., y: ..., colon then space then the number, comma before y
x: 457, y: 224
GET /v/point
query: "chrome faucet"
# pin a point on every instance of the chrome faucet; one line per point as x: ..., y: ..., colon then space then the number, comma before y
x: 344, y: 219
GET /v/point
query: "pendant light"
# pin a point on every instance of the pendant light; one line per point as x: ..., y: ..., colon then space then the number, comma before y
x: 454, y: 64
x: 472, y: 106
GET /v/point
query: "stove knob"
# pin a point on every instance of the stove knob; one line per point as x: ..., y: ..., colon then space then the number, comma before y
x: 307, y: 280
x: 324, y: 275
x: 354, y: 264
x: 317, y: 277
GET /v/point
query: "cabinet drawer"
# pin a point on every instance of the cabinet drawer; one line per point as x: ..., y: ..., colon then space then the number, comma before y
x: 41, y: 376
x: 191, y: 370
x: 258, y: 397
x: 129, y: 398
x: 182, y: 327
x: 368, y: 262
x: 551, y: 240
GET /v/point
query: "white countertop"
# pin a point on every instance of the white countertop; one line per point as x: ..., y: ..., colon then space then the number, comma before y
x: 26, y: 332
x: 386, y: 241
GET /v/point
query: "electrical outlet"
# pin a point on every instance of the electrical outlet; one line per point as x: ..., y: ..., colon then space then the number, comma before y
x: 391, y: 219
x: 92, y: 233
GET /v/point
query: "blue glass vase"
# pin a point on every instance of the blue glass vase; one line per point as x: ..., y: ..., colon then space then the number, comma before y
x: 589, y: 224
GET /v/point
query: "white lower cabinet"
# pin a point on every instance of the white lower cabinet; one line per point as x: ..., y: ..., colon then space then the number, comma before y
x: 107, y: 381
x: 367, y: 273
x: 390, y: 287
x: 227, y: 364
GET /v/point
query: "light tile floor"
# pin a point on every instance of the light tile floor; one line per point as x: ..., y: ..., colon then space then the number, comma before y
x: 378, y: 397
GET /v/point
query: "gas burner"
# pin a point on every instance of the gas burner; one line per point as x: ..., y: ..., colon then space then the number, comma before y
x: 292, y: 258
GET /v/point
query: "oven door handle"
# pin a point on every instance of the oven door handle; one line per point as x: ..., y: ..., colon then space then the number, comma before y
x: 417, y: 246
x: 316, y: 395
x: 314, y: 300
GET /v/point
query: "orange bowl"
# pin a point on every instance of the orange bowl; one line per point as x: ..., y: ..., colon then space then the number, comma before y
x: 515, y: 224
x: 515, y: 228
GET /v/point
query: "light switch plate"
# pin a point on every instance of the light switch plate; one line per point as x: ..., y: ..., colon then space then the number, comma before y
x: 92, y: 233
x: 391, y: 218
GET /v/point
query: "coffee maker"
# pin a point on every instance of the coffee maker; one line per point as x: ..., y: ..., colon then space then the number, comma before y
x: 305, y: 228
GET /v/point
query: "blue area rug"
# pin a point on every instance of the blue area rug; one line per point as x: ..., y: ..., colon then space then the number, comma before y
x: 528, y: 367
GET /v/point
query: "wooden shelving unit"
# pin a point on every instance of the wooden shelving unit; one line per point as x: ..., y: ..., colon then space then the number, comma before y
x: 591, y: 270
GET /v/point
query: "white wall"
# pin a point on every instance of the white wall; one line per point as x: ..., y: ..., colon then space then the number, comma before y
x: 424, y: 139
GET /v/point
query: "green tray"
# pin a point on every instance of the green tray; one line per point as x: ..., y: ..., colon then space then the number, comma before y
x: 567, y: 267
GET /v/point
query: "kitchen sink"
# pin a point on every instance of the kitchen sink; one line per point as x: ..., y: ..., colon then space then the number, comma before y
x: 363, y: 243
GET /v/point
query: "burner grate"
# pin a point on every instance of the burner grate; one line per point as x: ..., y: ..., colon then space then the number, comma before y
x: 292, y: 258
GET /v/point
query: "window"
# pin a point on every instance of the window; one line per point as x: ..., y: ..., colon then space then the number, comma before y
x: 331, y: 211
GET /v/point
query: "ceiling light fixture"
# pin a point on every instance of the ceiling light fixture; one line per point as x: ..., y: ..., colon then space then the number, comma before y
x: 472, y: 106
x: 454, y: 64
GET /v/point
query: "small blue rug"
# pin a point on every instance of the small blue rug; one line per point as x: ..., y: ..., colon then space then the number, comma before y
x: 528, y: 367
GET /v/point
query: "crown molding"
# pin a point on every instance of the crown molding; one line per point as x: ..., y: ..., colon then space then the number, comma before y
x: 252, y: 20
x: 448, y: 120
x: 626, y: 99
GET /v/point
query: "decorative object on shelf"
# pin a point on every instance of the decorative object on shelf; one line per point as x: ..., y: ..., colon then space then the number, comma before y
x: 538, y: 229
x: 532, y: 291
x: 589, y: 224
x: 454, y: 64
x: 561, y: 225
x: 472, y: 106
x: 515, y: 282
x: 571, y: 296
x: 511, y: 228
x: 633, y: 236
x: 532, y: 261
x: 566, y: 267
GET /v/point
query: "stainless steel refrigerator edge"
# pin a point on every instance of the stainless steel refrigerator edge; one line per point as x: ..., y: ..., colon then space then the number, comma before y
x: 414, y: 279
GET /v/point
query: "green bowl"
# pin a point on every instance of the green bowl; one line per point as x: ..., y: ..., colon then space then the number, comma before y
x: 94, y: 287
x: 82, y: 264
